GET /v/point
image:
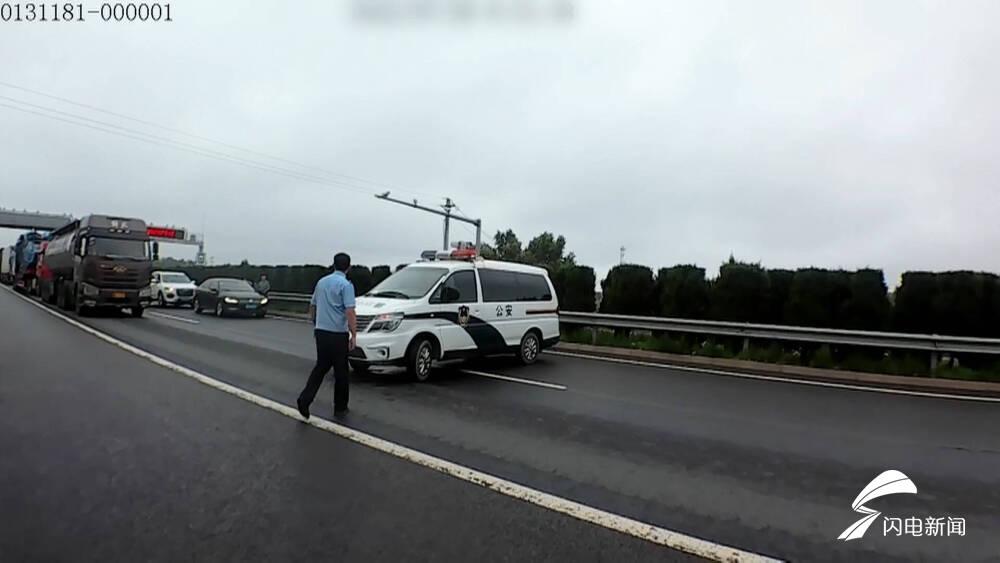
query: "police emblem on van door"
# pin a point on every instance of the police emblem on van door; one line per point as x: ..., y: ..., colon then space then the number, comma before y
x: 463, y: 315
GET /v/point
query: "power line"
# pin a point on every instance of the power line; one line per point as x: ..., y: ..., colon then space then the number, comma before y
x: 208, y: 139
x: 190, y: 146
x: 179, y: 146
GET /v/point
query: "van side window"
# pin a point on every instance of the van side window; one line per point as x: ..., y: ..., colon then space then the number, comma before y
x: 498, y: 285
x: 532, y: 287
x: 459, y: 288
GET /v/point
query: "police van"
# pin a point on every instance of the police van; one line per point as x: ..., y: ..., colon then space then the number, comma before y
x: 452, y: 306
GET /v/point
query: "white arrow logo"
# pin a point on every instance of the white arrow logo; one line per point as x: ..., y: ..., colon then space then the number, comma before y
x: 889, y: 482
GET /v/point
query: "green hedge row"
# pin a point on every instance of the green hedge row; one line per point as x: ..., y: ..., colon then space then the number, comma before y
x: 289, y: 279
x: 959, y: 303
x: 574, y: 284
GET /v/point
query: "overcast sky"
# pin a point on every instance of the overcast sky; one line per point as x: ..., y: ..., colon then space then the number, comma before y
x: 834, y: 134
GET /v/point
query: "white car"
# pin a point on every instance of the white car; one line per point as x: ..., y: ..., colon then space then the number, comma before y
x: 453, y: 309
x: 172, y: 288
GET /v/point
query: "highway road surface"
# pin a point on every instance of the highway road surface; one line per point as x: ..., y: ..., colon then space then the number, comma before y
x: 109, y: 456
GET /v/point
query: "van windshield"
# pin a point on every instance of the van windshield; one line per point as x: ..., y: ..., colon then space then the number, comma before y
x: 408, y: 283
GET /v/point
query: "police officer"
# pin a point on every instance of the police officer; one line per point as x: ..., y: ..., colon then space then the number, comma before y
x: 263, y: 286
x: 332, y: 312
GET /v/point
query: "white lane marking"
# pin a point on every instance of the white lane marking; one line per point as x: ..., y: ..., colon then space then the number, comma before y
x: 517, y: 379
x: 284, y: 318
x: 662, y: 536
x: 173, y: 318
x: 780, y: 379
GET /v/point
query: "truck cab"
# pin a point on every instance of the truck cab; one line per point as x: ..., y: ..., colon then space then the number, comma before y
x: 101, y: 261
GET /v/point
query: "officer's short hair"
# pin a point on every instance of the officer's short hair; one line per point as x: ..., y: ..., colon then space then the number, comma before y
x: 341, y: 262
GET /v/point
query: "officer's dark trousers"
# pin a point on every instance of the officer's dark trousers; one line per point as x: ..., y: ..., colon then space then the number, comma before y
x: 331, y: 351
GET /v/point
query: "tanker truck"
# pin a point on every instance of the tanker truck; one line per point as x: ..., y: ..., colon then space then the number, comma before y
x: 99, y: 261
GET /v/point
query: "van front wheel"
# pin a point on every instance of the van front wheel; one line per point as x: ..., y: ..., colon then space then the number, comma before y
x: 419, y: 359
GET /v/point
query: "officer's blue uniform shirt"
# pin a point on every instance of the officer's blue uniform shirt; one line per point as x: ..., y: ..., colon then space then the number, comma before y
x: 332, y: 297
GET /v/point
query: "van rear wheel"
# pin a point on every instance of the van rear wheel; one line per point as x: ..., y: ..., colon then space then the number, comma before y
x: 527, y: 353
x: 419, y: 359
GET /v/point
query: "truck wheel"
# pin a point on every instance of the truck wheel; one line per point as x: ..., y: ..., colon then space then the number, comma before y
x: 419, y: 358
x: 360, y: 367
x: 137, y: 312
x: 530, y: 346
x: 78, y: 305
x: 60, y: 292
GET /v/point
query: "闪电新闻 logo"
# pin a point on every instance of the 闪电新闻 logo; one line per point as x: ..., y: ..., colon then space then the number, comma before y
x: 889, y: 482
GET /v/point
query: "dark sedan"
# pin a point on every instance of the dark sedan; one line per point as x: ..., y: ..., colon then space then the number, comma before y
x: 229, y: 296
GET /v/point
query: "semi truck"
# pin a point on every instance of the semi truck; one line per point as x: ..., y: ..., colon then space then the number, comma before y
x: 99, y: 261
x: 26, y: 252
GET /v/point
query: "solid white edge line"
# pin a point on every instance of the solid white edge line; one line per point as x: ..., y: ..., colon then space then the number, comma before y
x: 662, y: 536
x: 545, y: 384
x: 779, y: 379
x: 173, y: 318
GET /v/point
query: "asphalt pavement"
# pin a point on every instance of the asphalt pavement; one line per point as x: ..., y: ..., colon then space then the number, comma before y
x: 764, y: 466
x: 108, y: 457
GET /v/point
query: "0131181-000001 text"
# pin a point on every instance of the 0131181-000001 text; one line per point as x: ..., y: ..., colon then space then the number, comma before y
x: 31, y: 12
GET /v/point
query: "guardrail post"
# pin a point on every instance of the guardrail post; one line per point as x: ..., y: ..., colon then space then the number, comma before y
x: 746, y: 344
x: 934, y: 362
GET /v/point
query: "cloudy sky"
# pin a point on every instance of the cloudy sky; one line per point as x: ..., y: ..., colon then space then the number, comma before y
x: 835, y: 134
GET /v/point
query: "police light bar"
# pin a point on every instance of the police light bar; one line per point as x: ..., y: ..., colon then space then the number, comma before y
x: 464, y: 251
x: 463, y: 254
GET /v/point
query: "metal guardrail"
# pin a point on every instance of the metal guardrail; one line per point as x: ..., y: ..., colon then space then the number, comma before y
x: 887, y: 340
x: 289, y: 297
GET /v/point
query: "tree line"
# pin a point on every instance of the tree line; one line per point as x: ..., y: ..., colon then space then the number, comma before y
x: 957, y: 303
x: 953, y: 303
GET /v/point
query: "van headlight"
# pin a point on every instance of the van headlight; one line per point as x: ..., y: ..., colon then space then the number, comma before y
x: 231, y: 300
x: 386, y: 323
x: 264, y: 301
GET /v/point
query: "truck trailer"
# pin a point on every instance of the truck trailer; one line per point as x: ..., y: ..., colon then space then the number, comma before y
x: 99, y: 261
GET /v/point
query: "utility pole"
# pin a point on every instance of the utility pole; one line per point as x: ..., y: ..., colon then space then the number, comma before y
x: 621, y: 256
x: 448, y: 206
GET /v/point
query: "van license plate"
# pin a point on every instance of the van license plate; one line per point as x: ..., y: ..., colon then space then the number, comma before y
x: 118, y: 295
x: 251, y: 305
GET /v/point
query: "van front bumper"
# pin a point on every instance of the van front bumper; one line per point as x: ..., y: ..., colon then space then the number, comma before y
x: 381, y: 348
